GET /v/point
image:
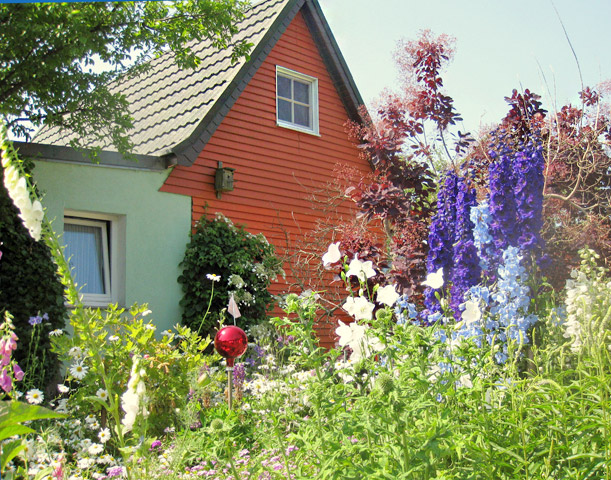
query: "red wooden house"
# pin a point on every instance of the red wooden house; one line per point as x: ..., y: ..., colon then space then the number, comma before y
x: 277, y: 119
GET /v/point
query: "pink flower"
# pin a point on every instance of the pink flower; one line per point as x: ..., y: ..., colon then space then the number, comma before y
x: 6, y: 382
x: 18, y: 372
x: 12, y: 342
x: 5, y: 360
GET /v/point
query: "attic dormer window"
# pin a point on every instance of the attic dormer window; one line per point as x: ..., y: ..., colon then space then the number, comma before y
x: 296, y: 100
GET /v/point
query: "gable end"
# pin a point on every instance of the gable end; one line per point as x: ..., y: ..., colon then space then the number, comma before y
x: 187, y: 151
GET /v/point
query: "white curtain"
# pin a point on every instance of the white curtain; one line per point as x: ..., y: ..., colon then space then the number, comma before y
x: 85, y: 249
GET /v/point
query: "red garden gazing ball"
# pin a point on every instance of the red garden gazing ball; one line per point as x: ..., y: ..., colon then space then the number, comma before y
x: 231, y: 343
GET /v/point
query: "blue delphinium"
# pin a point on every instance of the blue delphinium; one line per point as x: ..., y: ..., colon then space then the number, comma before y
x: 441, y: 238
x: 510, y: 301
x: 483, y: 241
x: 405, y: 310
x: 466, y: 271
x: 468, y: 329
x: 528, y: 166
x: 504, y: 308
x: 502, y: 200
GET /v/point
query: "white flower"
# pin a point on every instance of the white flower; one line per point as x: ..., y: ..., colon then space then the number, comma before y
x: 75, y: 352
x: 387, y: 295
x: 78, y: 371
x: 89, y: 419
x: 362, y: 270
x: 62, y: 405
x: 114, y: 338
x: 104, y: 435
x: 35, y: 396
x: 85, y: 443
x: 349, y: 333
x: 434, y: 280
x: 133, y: 396
x: 85, y: 463
x: 365, y: 347
x: 102, y: 394
x: 106, y: 458
x: 356, y: 337
x: 31, y: 213
x: 146, y: 312
x: 333, y: 254
x: 360, y: 308
x: 166, y: 333
x: 56, y: 333
x: 471, y: 313
x: 95, y: 449
x: 63, y: 388
x: 213, y: 277
x: 344, y: 332
x: 150, y: 326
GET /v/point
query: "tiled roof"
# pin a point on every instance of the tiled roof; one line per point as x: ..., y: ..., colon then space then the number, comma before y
x: 167, y: 103
x: 175, y: 111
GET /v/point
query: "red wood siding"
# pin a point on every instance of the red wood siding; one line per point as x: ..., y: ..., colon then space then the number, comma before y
x: 276, y: 169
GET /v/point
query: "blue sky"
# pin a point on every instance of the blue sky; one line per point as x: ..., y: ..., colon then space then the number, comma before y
x: 500, y: 45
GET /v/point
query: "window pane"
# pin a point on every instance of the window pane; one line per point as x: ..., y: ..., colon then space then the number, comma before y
x: 302, y: 92
x: 284, y: 111
x: 284, y: 87
x: 302, y: 115
x: 85, y: 251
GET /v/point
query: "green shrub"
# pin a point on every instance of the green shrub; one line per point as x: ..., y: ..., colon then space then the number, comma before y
x: 246, y: 264
x: 29, y: 287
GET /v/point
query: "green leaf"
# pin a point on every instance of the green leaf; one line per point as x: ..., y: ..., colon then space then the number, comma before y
x: 13, y: 413
x: 9, y: 451
x: 12, y: 430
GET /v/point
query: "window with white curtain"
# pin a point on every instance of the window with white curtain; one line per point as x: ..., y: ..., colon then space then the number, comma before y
x: 92, y: 250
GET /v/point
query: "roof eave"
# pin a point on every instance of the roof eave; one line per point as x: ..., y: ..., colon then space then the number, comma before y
x: 333, y: 58
x: 105, y: 158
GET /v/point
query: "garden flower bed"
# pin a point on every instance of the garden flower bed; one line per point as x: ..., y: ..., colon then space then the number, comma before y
x: 494, y: 375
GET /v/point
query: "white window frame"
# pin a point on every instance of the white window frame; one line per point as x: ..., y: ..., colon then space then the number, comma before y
x: 313, y: 83
x: 113, y: 246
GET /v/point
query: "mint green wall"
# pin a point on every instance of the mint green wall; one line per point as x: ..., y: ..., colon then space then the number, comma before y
x: 157, y: 225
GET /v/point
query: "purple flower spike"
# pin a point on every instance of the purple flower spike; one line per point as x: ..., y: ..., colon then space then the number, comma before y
x: 502, y: 201
x: 467, y: 271
x: 529, y: 165
x: 441, y: 237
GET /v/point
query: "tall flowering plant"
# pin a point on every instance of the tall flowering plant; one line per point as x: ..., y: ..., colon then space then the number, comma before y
x: 441, y: 237
x: 528, y: 191
x: 498, y: 237
x: 588, y: 305
x: 502, y: 202
x: 466, y: 271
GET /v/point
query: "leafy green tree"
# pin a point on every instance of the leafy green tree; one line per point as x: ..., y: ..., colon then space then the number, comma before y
x: 48, y: 52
